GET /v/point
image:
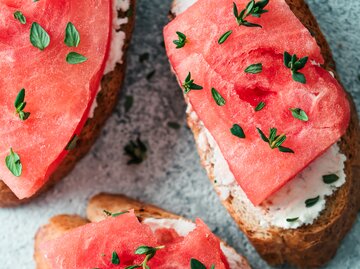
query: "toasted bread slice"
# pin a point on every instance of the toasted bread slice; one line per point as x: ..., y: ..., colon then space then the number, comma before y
x: 308, y: 246
x: 58, y: 225
x: 106, y: 101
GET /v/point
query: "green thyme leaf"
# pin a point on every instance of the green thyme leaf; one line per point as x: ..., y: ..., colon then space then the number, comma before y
x: 72, y: 36
x: 73, y: 143
x: 255, y: 9
x: 262, y: 135
x: 129, y: 101
x: 299, y: 114
x: 220, y: 101
x: 292, y: 219
x: 108, y: 213
x: 331, y: 178
x: 39, y: 38
x: 312, y: 201
x: 225, y: 36
x: 274, y: 140
x: 260, y: 106
x: 285, y: 150
x: 136, y: 150
x: 212, y: 266
x: 299, y: 77
x: 181, y: 40
x: 115, y: 258
x: 75, y: 58
x: 13, y: 163
x: 149, y: 252
x: 195, y: 264
x: 254, y: 68
x: 237, y: 131
x: 20, y: 105
x: 20, y: 17
x: 190, y: 85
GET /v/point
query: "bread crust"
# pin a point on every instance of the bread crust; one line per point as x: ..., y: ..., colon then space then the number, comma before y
x: 58, y: 225
x: 314, y: 245
x: 106, y: 101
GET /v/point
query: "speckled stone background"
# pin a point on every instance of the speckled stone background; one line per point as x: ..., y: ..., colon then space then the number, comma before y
x: 171, y: 177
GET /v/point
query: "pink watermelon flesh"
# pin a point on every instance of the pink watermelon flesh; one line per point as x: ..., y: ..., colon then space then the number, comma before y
x: 258, y: 169
x: 58, y: 94
x: 92, y: 245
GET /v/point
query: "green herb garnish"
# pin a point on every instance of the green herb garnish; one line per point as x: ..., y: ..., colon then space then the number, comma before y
x: 13, y: 163
x: 292, y: 219
x: 115, y: 258
x: 220, y: 101
x: 73, y: 143
x: 274, y: 140
x: 331, y: 178
x: 260, y: 106
x: 225, y: 36
x: 312, y: 201
x: 195, y: 264
x: 181, y: 41
x: 129, y: 101
x: 295, y: 64
x: 75, y: 58
x: 149, y: 253
x: 190, y: 85
x: 110, y: 214
x: 254, y: 68
x: 136, y: 150
x: 72, y: 36
x: 255, y: 9
x: 20, y: 17
x: 20, y: 105
x: 39, y: 38
x: 299, y: 114
x: 237, y: 131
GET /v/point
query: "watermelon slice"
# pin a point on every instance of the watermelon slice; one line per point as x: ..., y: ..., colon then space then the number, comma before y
x: 259, y: 169
x: 92, y: 246
x: 58, y: 94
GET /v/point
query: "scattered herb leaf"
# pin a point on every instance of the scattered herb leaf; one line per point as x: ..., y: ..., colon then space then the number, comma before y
x: 75, y: 58
x: 274, y: 140
x: 295, y: 64
x: 115, y: 258
x: 39, y: 38
x: 13, y: 163
x: 195, y: 264
x: 255, y: 9
x: 129, y: 101
x: 20, y: 17
x: 260, y: 106
x: 20, y: 105
x: 299, y: 114
x: 331, y: 178
x: 312, y: 201
x: 254, y: 68
x: 73, y: 143
x: 174, y: 125
x: 136, y: 150
x: 190, y: 85
x: 181, y: 41
x: 149, y: 253
x: 72, y: 36
x: 292, y: 219
x: 225, y: 36
x: 220, y: 101
x: 237, y: 131
x: 108, y: 213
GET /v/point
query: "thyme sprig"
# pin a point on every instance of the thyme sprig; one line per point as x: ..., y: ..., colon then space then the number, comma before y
x: 255, y: 9
x: 149, y: 253
x: 181, y: 40
x: 295, y: 64
x: 190, y: 85
x: 274, y: 140
x: 196, y: 264
x: 20, y: 105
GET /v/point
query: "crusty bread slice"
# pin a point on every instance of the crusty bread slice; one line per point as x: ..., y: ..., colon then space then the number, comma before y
x: 114, y: 203
x: 308, y: 246
x: 106, y: 102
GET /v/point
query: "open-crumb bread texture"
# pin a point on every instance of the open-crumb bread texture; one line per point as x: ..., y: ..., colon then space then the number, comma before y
x: 313, y: 245
x: 106, y: 102
x: 60, y: 224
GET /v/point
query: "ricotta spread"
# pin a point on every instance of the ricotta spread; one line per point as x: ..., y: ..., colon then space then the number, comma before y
x: 184, y: 227
x: 117, y: 43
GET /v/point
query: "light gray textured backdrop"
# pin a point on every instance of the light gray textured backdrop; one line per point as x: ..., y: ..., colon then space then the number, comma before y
x: 171, y: 177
